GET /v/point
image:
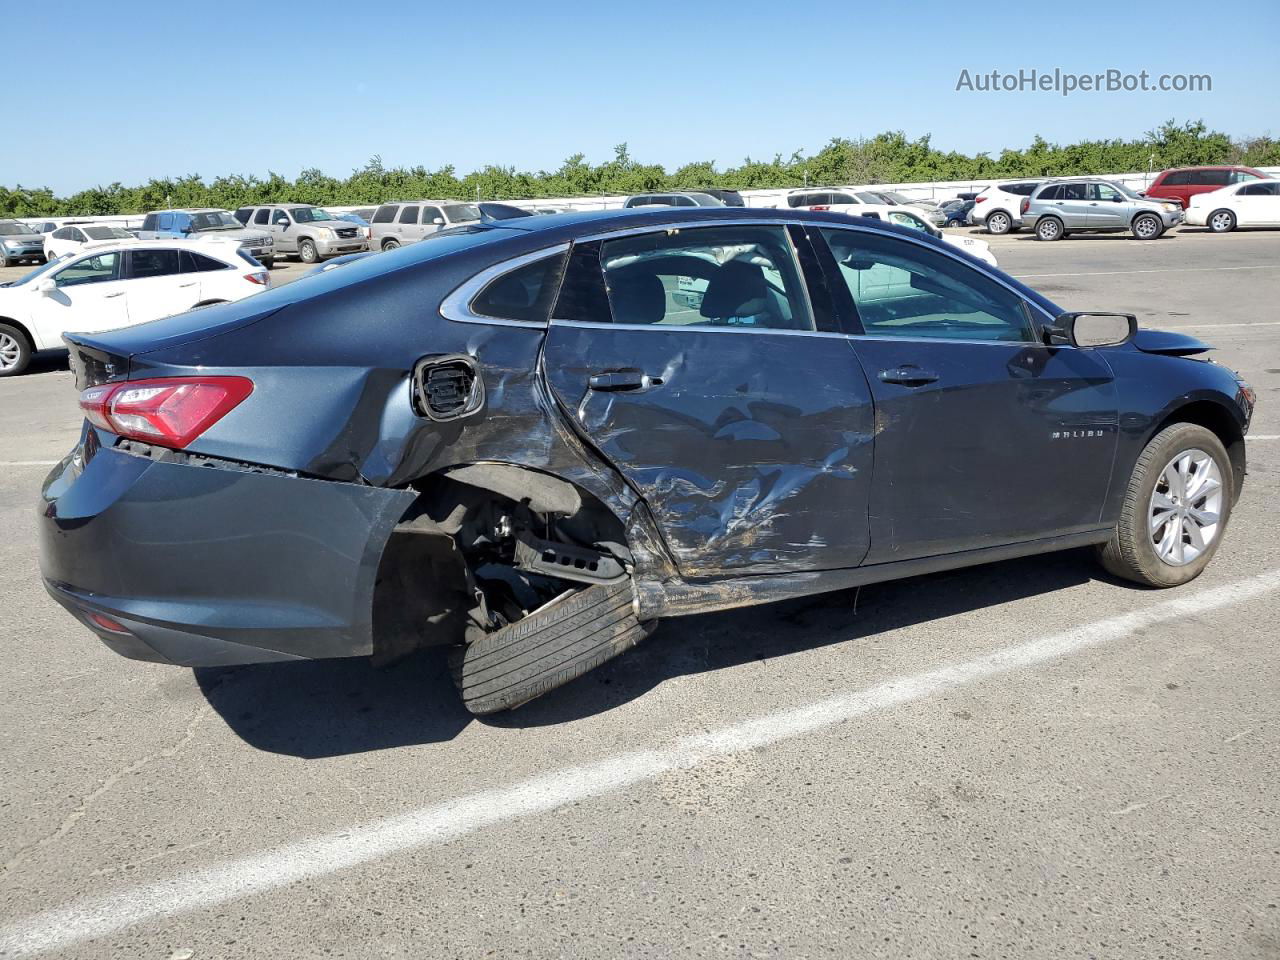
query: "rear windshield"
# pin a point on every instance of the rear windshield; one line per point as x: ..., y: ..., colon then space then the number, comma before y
x: 457, y: 212
x: 309, y: 214
x: 14, y: 229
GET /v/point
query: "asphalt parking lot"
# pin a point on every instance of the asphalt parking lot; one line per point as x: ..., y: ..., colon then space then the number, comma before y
x: 1021, y: 760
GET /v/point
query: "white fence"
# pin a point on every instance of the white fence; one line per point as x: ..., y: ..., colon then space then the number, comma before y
x: 939, y: 190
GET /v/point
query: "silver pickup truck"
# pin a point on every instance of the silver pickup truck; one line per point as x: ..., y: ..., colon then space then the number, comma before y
x: 198, y: 223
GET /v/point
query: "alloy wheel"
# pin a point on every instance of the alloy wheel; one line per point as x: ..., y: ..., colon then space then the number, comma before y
x: 1186, y: 507
x: 1146, y: 227
x: 1220, y: 222
x: 10, y: 351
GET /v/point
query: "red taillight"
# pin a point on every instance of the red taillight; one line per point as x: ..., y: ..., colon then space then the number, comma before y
x: 262, y: 279
x: 979, y: 199
x: 1026, y: 205
x: 103, y: 622
x: 820, y: 206
x: 169, y: 412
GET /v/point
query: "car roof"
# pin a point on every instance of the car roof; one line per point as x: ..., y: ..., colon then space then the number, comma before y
x: 214, y: 243
x: 190, y: 210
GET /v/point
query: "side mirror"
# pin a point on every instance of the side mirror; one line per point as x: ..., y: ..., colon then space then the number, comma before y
x: 1092, y: 329
x: 1117, y: 198
x: 438, y: 221
x: 46, y: 286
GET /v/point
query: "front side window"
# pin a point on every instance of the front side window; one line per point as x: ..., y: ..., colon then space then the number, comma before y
x: 1258, y: 190
x: 1104, y: 192
x: 243, y: 214
x: 409, y: 215
x: 731, y: 276
x: 462, y: 212
x: 901, y: 289
x: 262, y: 217
x: 1243, y: 176
x: 96, y: 269
x: 166, y: 221
x: 1179, y: 178
x: 63, y: 233
x: 523, y: 294
x: 78, y: 236
x: 280, y: 219
x: 431, y: 214
x: 153, y: 263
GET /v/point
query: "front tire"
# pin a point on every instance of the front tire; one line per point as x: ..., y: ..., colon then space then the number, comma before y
x: 1222, y: 221
x: 1175, y: 509
x: 388, y: 245
x: 15, y: 351
x: 999, y: 223
x: 307, y: 252
x: 561, y: 640
x: 268, y: 262
x: 1049, y: 229
x: 1147, y: 226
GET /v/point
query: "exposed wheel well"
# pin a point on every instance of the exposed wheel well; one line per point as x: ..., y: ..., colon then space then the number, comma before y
x: 1214, y: 417
x: 454, y: 561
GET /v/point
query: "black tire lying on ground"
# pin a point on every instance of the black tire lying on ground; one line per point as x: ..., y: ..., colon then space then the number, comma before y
x: 562, y: 640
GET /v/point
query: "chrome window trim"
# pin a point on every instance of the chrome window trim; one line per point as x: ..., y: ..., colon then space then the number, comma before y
x: 457, y: 305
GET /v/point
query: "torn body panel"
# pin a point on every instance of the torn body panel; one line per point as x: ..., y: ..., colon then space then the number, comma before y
x: 749, y: 460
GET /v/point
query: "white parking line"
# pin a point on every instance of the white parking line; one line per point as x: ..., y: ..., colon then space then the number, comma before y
x: 428, y: 826
x: 29, y: 463
x: 1121, y: 273
x: 1215, y: 326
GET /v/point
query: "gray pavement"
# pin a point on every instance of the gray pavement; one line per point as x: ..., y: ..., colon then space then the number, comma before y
x: 1117, y: 800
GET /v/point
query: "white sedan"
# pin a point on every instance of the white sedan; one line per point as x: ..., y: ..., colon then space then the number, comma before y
x: 915, y: 218
x: 1254, y: 203
x: 72, y: 238
x: 110, y: 285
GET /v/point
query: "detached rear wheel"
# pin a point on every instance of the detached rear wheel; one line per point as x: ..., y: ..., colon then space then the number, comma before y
x: 1175, y: 509
x: 561, y: 640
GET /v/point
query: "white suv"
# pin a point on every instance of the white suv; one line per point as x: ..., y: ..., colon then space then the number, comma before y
x: 836, y: 199
x: 73, y: 237
x: 109, y: 285
x: 999, y: 207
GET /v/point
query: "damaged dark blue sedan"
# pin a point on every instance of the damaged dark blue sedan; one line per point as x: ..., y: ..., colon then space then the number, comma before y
x: 528, y: 440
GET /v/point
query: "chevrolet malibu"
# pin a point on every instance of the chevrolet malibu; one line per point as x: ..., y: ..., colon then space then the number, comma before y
x: 529, y: 440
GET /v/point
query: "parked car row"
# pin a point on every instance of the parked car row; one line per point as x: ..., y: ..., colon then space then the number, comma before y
x: 118, y: 283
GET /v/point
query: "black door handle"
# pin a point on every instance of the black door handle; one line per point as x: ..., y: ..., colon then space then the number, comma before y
x: 615, y: 380
x: 908, y: 376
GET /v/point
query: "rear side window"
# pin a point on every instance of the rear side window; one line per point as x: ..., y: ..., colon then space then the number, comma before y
x: 384, y: 214
x: 199, y: 263
x: 1212, y: 178
x: 262, y: 216
x: 153, y: 263
x: 1021, y: 189
x: 409, y: 215
x: 1050, y: 193
x: 798, y: 200
x: 524, y: 294
x: 1179, y: 178
x: 243, y: 214
x: 149, y: 222
x: 740, y: 276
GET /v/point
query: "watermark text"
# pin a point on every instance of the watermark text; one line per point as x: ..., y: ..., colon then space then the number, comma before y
x: 1066, y: 83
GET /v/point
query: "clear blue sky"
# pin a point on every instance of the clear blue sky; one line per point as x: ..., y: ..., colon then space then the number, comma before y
x: 143, y: 89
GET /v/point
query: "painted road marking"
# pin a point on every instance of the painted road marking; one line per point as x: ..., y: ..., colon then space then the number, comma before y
x: 1123, y: 273
x: 429, y: 826
x: 29, y: 463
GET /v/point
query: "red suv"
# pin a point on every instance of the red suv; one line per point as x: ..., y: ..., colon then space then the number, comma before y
x: 1183, y: 183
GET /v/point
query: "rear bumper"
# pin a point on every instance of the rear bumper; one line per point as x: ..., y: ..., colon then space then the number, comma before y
x: 207, y: 566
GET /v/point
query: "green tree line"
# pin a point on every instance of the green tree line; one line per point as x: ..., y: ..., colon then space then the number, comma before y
x: 885, y: 158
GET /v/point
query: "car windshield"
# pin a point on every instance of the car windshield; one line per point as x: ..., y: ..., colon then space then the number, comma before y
x: 28, y: 277
x: 706, y: 200
x: 309, y: 214
x: 108, y: 233
x: 896, y: 197
x: 459, y: 212
x: 1125, y: 190
x: 217, y: 220
x: 14, y: 230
